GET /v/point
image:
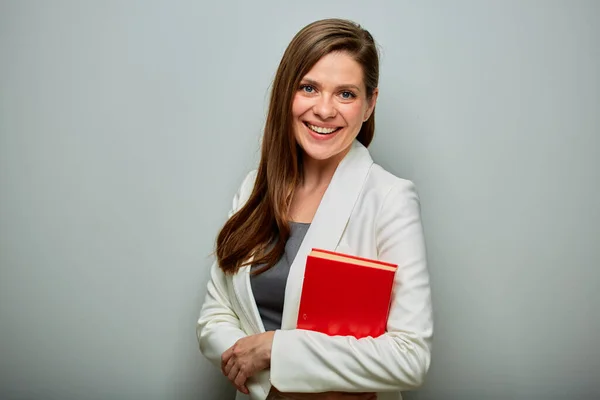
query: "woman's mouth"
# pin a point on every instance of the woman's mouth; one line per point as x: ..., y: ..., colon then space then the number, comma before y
x: 320, y: 130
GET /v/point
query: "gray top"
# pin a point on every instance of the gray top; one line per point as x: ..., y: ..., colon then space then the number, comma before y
x: 269, y: 287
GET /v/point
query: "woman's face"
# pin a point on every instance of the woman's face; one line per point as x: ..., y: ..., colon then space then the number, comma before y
x: 330, y: 107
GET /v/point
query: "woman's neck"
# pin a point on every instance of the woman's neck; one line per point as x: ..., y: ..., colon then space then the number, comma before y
x: 318, y: 173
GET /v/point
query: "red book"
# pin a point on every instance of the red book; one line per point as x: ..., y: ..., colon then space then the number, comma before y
x: 345, y: 295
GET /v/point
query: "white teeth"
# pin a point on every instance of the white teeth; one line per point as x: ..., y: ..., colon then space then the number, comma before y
x: 318, y: 129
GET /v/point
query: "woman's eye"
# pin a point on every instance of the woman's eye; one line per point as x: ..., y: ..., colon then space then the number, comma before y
x: 347, y: 95
x: 307, y: 88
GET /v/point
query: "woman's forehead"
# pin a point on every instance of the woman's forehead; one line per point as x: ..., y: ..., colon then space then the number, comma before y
x: 336, y: 69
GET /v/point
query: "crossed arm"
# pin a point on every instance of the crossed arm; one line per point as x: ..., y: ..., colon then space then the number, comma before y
x: 311, y: 362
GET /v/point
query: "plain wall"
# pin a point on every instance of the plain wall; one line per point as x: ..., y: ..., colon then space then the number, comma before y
x: 126, y: 127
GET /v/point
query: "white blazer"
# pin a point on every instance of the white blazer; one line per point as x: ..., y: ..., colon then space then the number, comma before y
x: 366, y: 211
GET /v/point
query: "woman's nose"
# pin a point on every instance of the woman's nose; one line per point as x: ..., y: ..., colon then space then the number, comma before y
x: 324, y: 107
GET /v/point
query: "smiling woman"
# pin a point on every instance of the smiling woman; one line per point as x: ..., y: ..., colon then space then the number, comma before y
x: 330, y: 107
x: 317, y: 186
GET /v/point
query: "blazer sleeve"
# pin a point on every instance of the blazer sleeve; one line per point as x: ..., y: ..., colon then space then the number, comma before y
x: 307, y: 361
x: 218, y: 327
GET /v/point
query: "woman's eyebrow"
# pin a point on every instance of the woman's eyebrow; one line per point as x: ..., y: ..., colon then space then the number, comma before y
x: 312, y: 82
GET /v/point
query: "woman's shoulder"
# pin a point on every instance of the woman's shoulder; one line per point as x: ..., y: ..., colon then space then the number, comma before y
x: 396, y: 199
x: 386, y: 183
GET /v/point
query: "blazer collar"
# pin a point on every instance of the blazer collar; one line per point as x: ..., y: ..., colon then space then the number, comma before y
x: 329, y: 222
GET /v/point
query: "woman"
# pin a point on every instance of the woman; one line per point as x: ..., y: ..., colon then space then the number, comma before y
x: 317, y: 187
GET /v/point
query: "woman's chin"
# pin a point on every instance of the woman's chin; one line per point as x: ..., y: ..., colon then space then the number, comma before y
x: 321, y: 154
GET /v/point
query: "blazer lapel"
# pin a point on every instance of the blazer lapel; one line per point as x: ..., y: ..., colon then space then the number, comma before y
x: 245, y: 297
x: 328, y: 224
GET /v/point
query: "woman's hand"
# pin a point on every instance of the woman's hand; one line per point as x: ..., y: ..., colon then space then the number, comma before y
x: 246, y: 357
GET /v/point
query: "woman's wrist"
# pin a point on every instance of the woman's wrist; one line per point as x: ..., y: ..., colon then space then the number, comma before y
x: 269, y: 335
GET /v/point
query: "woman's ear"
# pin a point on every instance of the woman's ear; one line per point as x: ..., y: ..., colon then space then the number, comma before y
x: 371, y: 106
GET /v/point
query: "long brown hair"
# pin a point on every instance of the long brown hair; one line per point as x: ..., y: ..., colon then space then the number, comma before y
x: 260, y: 229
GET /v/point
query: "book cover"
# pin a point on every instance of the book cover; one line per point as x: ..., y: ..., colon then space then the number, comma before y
x: 345, y: 295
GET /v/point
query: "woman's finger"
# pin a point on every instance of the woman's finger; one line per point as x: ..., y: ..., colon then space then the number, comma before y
x: 232, y: 372
x: 231, y: 369
x: 226, y: 355
x: 240, y: 382
x: 244, y: 389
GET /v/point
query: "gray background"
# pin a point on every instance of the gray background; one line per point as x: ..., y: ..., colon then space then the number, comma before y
x: 125, y: 128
